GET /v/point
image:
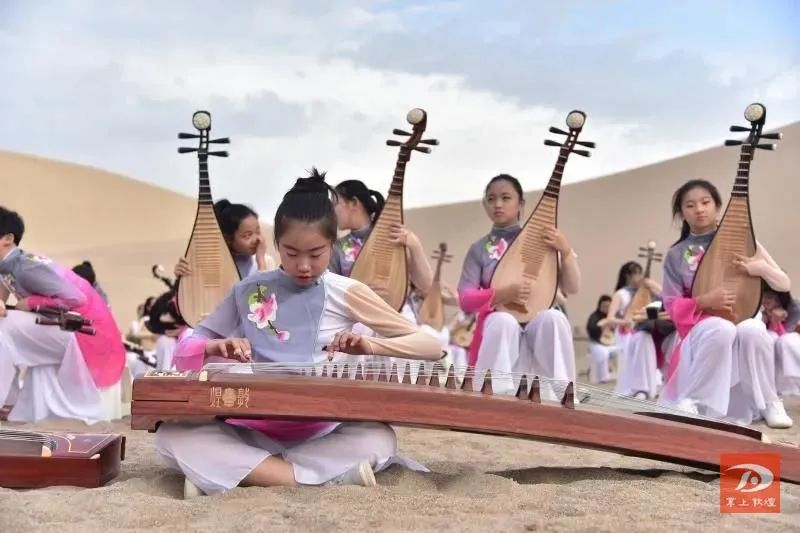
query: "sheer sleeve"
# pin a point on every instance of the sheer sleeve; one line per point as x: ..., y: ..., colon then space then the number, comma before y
x: 47, y: 287
x: 222, y: 323
x: 403, y: 339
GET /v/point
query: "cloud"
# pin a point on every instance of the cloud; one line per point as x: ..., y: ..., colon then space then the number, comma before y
x: 296, y: 84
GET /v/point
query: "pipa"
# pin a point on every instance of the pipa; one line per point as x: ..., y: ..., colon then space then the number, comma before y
x: 735, y: 234
x: 642, y: 297
x: 528, y: 259
x: 382, y: 264
x: 432, y: 310
x: 214, y: 271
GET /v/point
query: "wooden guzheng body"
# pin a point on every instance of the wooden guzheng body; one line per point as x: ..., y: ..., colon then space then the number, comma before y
x: 214, y: 271
x: 436, y: 401
x: 735, y: 235
x: 528, y: 258
x: 382, y: 264
x: 642, y: 297
x: 42, y: 459
x: 431, y: 312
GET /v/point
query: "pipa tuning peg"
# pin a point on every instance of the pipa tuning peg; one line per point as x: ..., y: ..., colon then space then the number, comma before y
x: 432, y: 142
x: 548, y: 142
x: 401, y: 132
x: 558, y: 131
x: 732, y: 142
x: 777, y: 136
x: 221, y: 153
x: 392, y: 142
x: 221, y: 140
x: 185, y: 150
x: 587, y: 144
x: 584, y: 153
x: 423, y: 149
x: 769, y: 146
x: 188, y: 136
x: 739, y: 128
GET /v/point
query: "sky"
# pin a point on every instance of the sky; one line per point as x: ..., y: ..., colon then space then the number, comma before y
x: 323, y: 83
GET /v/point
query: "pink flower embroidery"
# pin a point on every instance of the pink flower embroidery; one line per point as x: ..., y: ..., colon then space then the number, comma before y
x: 263, y: 311
x: 496, y: 247
x: 693, y: 255
x: 351, y: 247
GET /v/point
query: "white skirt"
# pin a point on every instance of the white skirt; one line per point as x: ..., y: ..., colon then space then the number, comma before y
x: 57, y: 381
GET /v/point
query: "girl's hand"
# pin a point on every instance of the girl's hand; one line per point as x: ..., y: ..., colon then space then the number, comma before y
x: 22, y: 305
x: 717, y: 300
x: 398, y: 234
x: 752, y: 266
x: 554, y: 238
x: 349, y: 343
x: 234, y: 348
x: 261, y: 247
x: 182, y: 268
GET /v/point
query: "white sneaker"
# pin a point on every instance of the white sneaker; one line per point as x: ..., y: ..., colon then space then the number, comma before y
x: 688, y: 405
x: 190, y: 490
x: 775, y: 415
x: 361, y: 474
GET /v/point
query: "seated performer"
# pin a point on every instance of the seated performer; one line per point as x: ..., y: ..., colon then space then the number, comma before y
x: 543, y: 346
x: 242, y: 232
x: 298, y: 313
x: 720, y: 369
x: 64, y: 369
x: 599, y: 352
x: 781, y: 313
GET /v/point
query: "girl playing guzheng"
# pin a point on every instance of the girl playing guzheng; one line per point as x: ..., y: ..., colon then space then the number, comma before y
x: 542, y: 346
x: 65, y: 370
x: 719, y: 369
x: 242, y: 231
x: 299, y: 313
x: 781, y: 314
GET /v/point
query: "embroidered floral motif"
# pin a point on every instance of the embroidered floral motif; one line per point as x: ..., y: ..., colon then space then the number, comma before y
x: 264, y: 310
x: 38, y: 258
x: 692, y: 255
x: 351, y: 247
x: 8, y: 281
x: 496, y: 247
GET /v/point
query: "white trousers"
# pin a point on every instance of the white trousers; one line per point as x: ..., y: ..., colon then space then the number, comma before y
x: 543, y: 348
x: 599, y: 354
x: 216, y: 457
x: 57, y: 380
x: 729, y: 370
x: 638, y: 370
x: 787, y: 370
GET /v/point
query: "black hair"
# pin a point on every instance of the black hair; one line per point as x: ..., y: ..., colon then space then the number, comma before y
x: 86, y: 271
x: 230, y: 216
x: 11, y: 223
x: 311, y: 200
x: 603, y: 298
x: 784, y: 298
x: 509, y: 178
x: 372, y: 201
x: 677, y: 201
x: 631, y: 267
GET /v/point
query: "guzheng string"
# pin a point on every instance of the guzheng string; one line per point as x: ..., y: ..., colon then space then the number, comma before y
x: 27, y: 436
x: 585, y: 394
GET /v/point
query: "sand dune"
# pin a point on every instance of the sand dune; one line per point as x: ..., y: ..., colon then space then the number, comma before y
x: 478, y: 483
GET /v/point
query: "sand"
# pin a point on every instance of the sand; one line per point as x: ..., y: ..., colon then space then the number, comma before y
x: 478, y: 483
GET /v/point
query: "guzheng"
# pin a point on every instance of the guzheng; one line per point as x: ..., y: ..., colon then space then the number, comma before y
x: 735, y: 234
x: 528, y: 259
x: 602, y: 420
x: 214, y: 271
x: 643, y: 297
x: 30, y: 460
x: 382, y: 264
x: 431, y: 312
